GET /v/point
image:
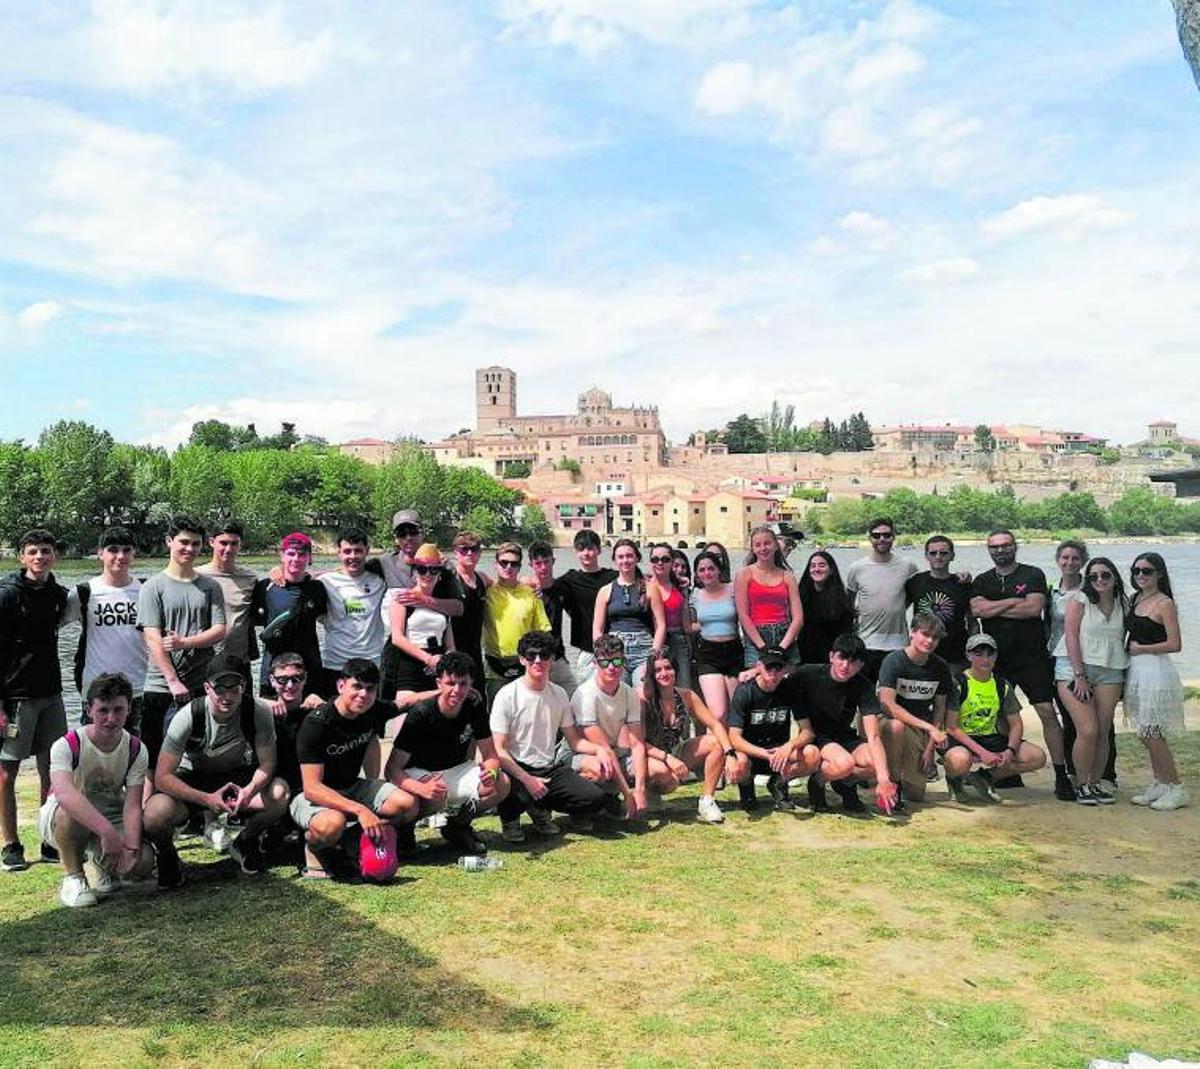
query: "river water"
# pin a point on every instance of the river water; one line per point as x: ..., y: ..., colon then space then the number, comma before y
x: 1183, y: 562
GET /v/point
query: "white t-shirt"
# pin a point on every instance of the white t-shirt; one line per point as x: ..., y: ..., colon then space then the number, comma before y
x: 532, y: 720
x: 114, y: 643
x: 102, y: 777
x: 590, y: 705
x: 354, y: 625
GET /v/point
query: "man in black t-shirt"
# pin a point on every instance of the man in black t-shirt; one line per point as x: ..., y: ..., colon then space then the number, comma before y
x: 760, y: 726
x: 330, y: 745
x: 947, y: 596
x: 914, y: 685
x: 287, y: 609
x: 830, y: 697
x: 576, y: 592
x: 434, y: 755
x: 1010, y: 599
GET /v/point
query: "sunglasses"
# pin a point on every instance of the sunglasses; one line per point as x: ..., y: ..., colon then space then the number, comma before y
x: 937, y: 552
x: 506, y: 563
x: 881, y: 535
x: 289, y: 681
x: 540, y: 655
x: 1101, y: 575
x: 466, y: 549
x: 1143, y: 571
x: 615, y: 662
x: 1002, y: 546
x: 660, y: 560
x: 406, y: 529
x: 427, y: 569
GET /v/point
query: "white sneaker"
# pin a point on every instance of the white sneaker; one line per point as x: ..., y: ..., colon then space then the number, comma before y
x: 1174, y: 796
x: 1148, y: 794
x: 76, y: 892
x: 1110, y: 786
x: 103, y: 883
x: 218, y: 836
x: 708, y: 811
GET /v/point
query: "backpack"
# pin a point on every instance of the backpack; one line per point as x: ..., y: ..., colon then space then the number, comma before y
x: 197, y: 709
x: 83, y: 591
x: 76, y: 746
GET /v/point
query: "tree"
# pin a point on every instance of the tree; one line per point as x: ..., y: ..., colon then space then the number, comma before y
x: 200, y: 483
x: 861, y: 438
x: 22, y: 498
x: 145, y: 473
x: 223, y: 437
x: 745, y: 435
x: 1142, y: 511
x: 534, y: 527
x: 985, y: 441
x: 77, y: 480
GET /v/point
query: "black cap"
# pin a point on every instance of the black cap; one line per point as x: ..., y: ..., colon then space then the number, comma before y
x: 227, y: 666
x: 772, y: 657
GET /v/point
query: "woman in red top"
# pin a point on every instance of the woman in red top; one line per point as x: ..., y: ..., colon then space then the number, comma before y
x: 675, y: 607
x: 768, y: 598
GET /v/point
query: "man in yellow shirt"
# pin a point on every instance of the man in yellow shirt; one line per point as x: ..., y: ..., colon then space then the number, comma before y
x: 511, y: 610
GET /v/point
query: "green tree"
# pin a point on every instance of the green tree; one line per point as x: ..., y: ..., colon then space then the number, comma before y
x: 985, y: 441
x: 1142, y: 511
x: 77, y: 479
x: 485, y: 523
x: 145, y: 472
x: 200, y: 482
x: 745, y: 435
x: 22, y: 496
x: 534, y: 527
x: 338, y: 489
x: 223, y: 437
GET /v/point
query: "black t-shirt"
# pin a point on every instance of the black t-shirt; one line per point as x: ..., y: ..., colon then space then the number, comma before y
x: 948, y: 600
x: 339, y: 743
x: 29, y: 615
x: 468, y: 628
x: 916, y: 685
x: 830, y: 706
x: 1016, y: 640
x: 576, y: 591
x: 289, y: 613
x: 435, y: 741
x: 764, y: 718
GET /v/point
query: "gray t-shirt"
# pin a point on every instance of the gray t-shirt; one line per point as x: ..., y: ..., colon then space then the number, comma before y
x: 236, y: 588
x: 225, y: 747
x: 187, y: 608
x: 878, y: 592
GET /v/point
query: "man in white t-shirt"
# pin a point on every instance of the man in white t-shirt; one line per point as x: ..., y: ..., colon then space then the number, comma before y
x: 527, y: 716
x: 106, y: 609
x: 94, y: 808
x: 877, y: 582
x: 354, y: 625
x: 609, y: 713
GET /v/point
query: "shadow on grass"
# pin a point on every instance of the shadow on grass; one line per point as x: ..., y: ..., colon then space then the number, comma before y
x: 257, y: 954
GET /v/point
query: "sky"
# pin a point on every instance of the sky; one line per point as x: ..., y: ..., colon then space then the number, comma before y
x: 332, y: 213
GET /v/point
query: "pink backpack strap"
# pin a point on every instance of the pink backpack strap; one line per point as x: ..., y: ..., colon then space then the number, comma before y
x: 75, y: 745
x: 135, y: 748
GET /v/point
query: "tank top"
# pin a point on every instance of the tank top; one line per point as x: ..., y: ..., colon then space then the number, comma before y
x: 769, y: 604
x: 468, y: 628
x: 666, y: 736
x: 625, y: 612
x: 717, y: 618
x: 1101, y: 639
x: 424, y: 626
x: 1145, y: 631
x: 980, y: 706
x: 673, y: 607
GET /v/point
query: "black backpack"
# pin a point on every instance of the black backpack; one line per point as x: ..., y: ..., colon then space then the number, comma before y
x: 83, y: 591
x: 197, y: 710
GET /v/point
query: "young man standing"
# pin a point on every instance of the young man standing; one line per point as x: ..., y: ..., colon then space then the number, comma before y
x: 830, y: 697
x: 354, y: 623
x: 444, y: 757
x: 513, y: 610
x: 237, y: 587
x: 760, y: 726
x: 986, y: 728
x: 609, y: 713
x: 576, y: 590
x: 541, y: 563
x: 94, y: 808
x: 106, y: 609
x: 331, y: 744
x: 877, y: 582
x: 32, y: 716
x: 218, y: 756
x: 182, y: 617
x: 947, y: 596
x: 914, y: 685
x: 287, y: 608
x: 1010, y: 599
x: 527, y: 716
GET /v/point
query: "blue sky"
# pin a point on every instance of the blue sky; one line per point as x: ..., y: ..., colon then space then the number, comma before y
x: 332, y: 213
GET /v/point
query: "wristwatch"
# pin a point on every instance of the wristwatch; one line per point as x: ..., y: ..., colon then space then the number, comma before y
x: 731, y: 753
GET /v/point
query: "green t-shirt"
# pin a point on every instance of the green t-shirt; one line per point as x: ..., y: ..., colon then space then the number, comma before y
x: 982, y: 706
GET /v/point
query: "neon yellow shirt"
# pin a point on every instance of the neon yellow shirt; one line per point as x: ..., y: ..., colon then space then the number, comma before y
x: 512, y: 611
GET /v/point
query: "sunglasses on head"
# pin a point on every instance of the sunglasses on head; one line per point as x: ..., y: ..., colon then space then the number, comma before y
x: 426, y: 569
x: 615, y: 662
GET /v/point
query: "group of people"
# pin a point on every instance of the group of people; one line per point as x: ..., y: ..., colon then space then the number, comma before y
x: 434, y: 687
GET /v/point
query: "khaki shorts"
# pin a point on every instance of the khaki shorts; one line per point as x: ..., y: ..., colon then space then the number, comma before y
x: 49, y: 811
x: 369, y: 792
x: 41, y: 722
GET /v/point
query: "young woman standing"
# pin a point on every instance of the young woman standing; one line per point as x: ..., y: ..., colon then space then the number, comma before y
x: 719, y: 654
x: 827, y: 609
x: 675, y: 608
x: 768, y: 598
x: 631, y: 607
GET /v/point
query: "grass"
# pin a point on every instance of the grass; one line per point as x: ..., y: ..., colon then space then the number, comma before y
x: 1029, y: 935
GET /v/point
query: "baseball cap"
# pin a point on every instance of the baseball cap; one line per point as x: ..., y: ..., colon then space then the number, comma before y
x: 226, y: 666
x: 295, y: 540
x: 406, y: 516
x: 981, y: 638
x: 378, y: 859
x: 772, y: 657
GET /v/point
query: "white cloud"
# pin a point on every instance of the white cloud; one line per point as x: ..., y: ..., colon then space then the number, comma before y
x: 38, y: 314
x: 332, y: 419
x: 888, y: 64
x: 727, y: 89
x: 875, y: 233
x: 948, y: 269
x: 1073, y: 215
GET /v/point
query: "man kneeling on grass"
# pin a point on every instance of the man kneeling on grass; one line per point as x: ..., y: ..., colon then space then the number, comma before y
x: 527, y: 716
x: 218, y: 756
x: 94, y: 808
x: 331, y: 744
x: 444, y: 757
x: 831, y: 696
x: 986, y: 729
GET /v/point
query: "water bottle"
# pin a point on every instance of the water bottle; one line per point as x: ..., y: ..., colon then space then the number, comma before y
x: 475, y: 863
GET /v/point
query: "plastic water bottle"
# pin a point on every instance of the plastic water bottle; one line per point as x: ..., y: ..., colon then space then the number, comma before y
x: 475, y: 863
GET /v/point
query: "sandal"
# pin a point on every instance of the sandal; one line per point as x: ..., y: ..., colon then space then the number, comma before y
x: 313, y: 872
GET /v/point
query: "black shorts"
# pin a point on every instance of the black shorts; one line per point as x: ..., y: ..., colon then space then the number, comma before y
x: 1034, y: 675
x: 992, y: 743
x: 760, y: 766
x: 848, y: 742
x: 718, y: 658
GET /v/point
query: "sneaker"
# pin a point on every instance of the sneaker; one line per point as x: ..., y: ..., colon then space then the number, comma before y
x: 76, y: 892
x: 900, y: 806
x: 614, y: 807
x: 218, y: 836
x: 104, y: 883
x: 707, y: 810
x: 1149, y: 794
x: 1109, y: 785
x: 247, y: 852
x: 958, y: 790
x: 848, y: 793
x: 511, y: 831
x: 170, y: 871
x: 777, y: 788
x: 48, y: 853
x: 406, y: 839
x: 1174, y: 796
x: 1084, y: 796
x: 583, y: 824
x: 1064, y: 791
x: 931, y: 773
x: 981, y: 783
x: 462, y: 837
x: 542, y: 823
x: 817, y: 801
x: 747, y: 799
x: 12, y: 858
x: 1102, y: 795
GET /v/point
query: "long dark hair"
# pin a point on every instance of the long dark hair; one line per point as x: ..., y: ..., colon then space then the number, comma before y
x: 1160, y: 566
x: 652, y: 713
x: 829, y: 602
x: 720, y: 554
x: 1122, y: 599
x: 671, y: 577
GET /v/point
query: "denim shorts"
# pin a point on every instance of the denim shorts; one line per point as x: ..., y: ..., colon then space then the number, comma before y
x: 1097, y: 674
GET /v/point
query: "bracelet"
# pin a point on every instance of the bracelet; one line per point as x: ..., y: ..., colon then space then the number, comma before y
x: 1011, y: 750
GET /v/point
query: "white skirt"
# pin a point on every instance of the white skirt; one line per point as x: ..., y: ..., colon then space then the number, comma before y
x: 1153, y: 695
